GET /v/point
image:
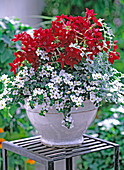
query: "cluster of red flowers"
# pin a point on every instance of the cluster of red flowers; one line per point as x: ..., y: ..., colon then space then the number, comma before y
x: 84, y: 31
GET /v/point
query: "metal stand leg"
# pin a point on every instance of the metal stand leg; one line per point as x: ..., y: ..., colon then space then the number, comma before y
x: 116, y: 163
x: 51, y: 165
x: 69, y: 164
x: 4, y: 153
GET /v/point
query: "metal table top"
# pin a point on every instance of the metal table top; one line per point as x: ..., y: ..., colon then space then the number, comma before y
x: 33, y: 148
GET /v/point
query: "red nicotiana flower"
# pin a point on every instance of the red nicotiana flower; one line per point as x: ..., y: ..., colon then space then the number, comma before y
x: 63, y: 59
x: 71, y: 62
x: 85, y: 32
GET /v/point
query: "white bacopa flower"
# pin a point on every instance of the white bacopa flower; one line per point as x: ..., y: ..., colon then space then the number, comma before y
x: 74, y: 98
x: 88, y: 88
x: 41, y: 74
x: 99, y: 75
x: 4, y: 77
x: 85, y: 84
x: 50, y: 68
x: 38, y: 52
x: 56, y: 102
x: 98, y: 99
x: 77, y: 93
x: 65, y: 81
x: 26, y: 92
x: 58, y: 79
x: 59, y: 95
x: 25, y: 72
x: 19, y: 85
x: 26, y: 78
x: 5, y: 92
x: 71, y: 84
x: 2, y: 104
x: 32, y: 70
x: 94, y: 76
x: 1, y: 96
x: 44, y: 106
x: 92, y: 98
x: 83, y: 91
x: 77, y: 83
x: 62, y: 73
x: 15, y: 92
x: 53, y: 95
x: 53, y: 74
x: 50, y: 85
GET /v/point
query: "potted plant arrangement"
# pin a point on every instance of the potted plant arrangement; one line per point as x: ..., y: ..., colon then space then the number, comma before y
x: 62, y: 75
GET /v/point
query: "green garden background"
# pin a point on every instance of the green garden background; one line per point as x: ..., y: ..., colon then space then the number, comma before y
x: 109, y: 122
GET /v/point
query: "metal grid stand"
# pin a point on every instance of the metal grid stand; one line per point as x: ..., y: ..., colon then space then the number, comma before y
x: 33, y: 148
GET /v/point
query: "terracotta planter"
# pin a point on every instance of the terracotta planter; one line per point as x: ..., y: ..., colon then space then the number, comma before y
x: 50, y: 127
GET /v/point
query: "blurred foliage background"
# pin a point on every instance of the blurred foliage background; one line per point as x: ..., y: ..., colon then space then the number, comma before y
x: 109, y: 123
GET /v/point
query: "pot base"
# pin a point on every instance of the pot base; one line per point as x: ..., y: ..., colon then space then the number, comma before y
x: 76, y: 142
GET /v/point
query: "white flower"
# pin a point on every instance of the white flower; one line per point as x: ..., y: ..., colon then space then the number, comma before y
x: 108, y: 123
x: 94, y: 76
x: 71, y: 84
x: 15, y: 92
x: 26, y: 78
x: 5, y: 92
x: 83, y: 91
x: 37, y: 91
x: 38, y: 52
x: 62, y: 73
x: 4, y: 77
x: 25, y: 72
x: 74, y: 98
x: 53, y: 95
x: 41, y: 74
x: 32, y: 70
x: 85, y: 84
x: 58, y: 79
x: 59, y: 95
x: 88, y: 88
x: 2, y: 104
x: 50, y: 68
x: 44, y: 106
x: 54, y: 74
x: 50, y: 85
x: 79, y: 101
x: 98, y: 99
x: 77, y: 83
x: 1, y: 96
x: 27, y: 93
x: 20, y: 84
x: 92, y: 98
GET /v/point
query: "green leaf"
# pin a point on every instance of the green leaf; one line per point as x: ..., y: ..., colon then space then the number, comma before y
x: 6, y: 39
x: 0, y: 34
x: 5, y: 55
x: 2, y: 46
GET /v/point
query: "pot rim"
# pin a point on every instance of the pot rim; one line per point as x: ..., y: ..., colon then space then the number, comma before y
x: 72, y: 112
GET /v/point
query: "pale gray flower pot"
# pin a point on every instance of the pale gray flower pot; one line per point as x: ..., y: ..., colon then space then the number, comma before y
x: 50, y: 127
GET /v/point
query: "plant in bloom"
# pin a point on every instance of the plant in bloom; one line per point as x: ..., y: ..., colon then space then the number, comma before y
x: 65, y: 65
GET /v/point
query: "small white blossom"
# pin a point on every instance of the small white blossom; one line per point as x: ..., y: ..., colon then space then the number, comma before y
x: 2, y: 104
x: 15, y: 92
x: 50, y: 68
x: 4, y: 77
x: 54, y: 73
x: 88, y: 88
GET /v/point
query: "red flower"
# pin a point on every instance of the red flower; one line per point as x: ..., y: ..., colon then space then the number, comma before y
x: 90, y: 13
x: 71, y: 61
x: 13, y: 67
x: 113, y: 56
x: 63, y: 59
x: 73, y: 53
